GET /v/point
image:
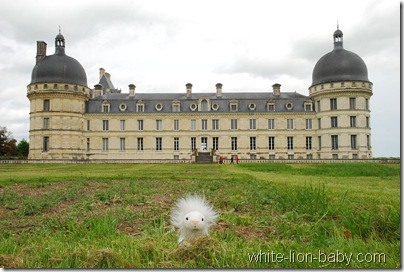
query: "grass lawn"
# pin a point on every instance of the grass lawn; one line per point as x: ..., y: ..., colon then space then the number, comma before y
x: 271, y: 215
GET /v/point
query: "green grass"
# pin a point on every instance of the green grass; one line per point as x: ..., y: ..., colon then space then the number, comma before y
x: 117, y: 216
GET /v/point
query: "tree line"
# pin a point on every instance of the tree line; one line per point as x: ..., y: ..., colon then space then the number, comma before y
x: 9, y: 147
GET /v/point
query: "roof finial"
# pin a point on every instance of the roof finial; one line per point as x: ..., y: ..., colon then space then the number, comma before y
x: 59, y: 30
x: 337, y: 24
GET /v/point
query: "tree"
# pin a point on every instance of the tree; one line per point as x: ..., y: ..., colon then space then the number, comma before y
x: 8, y: 144
x: 22, y: 148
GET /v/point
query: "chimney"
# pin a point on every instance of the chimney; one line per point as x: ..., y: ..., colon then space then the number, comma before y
x: 219, y: 90
x: 132, y: 89
x: 108, y: 75
x: 97, y: 90
x: 40, y: 50
x: 102, y: 72
x: 276, y: 89
x: 189, y: 90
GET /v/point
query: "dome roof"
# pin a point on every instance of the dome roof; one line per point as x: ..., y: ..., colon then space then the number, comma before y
x: 339, y: 65
x: 59, y: 68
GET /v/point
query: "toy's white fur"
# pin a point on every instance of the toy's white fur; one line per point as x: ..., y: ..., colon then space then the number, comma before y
x: 193, y: 216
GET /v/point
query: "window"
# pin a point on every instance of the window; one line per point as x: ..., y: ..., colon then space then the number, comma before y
x: 253, y: 123
x: 318, y: 105
x: 272, y: 157
x: 88, y: 144
x: 307, y: 107
x: 335, y: 156
x: 271, y: 106
x: 309, y: 156
x: 290, y: 143
x: 352, y: 103
x: 122, y: 144
x: 204, y: 143
x: 319, y: 142
x: 159, y: 125
x: 233, y: 143
x: 319, y: 122
x: 88, y: 124
x: 354, y: 142
x: 176, y: 107
x: 355, y: 156
x: 308, y: 143
x: 204, y: 105
x: 366, y: 104
x: 334, y: 142
x: 215, y: 124
x: 140, y: 107
x: 105, y: 125
x: 367, y: 122
x: 140, y: 144
x: 253, y: 143
x: 352, y: 121
x: 176, y: 143
x: 193, y: 143
x: 215, y: 143
x: 104, y: 144
x: 333, y: 103
x: 204, y: 124
x: 140, y: 125
x: 309, y: 124
x: 342, y: 84
x: 45, y: 144
x: 122, y: 125
x: 46, y: 123
x: 46, y: 105
x: 271, y: 143
x: 291, y: 157
x: 159, y: 144
x: 290, y: 123
x: 368, y: 141
x: 176, y: 124
x: 193, y: 124
x: 253, y: 156
x: 271, y: 123
x: 233, y: 124
x: 334, y: 122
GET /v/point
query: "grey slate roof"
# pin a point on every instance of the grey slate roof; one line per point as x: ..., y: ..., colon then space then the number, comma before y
x: 94, y: 105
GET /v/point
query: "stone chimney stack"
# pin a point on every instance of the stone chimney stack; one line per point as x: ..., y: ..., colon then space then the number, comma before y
x: 40, y: 51
x: 108, y: 76
x: 276, y: 89
x: 132, y: 89
x: 102, y: 72
x: 189, y: 90
x: 97, y: 90
x: 219, y: 90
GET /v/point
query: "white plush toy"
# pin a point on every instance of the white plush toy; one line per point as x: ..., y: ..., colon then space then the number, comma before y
x: 193, y: 216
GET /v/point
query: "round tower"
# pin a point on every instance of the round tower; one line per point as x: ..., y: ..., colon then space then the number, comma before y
x: 57, y: 94
x: 341, y: 92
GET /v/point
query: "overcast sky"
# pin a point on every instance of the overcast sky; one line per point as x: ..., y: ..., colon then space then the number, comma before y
x: 161, y: 45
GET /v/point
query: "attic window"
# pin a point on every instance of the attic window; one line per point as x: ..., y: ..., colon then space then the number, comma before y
x: 105, y: 106
x: 271, y: 106
x: 252, y: 106
x: 289, y: 106
x: 158, y: 107
x: 215, y: 106
x: 233, y: 105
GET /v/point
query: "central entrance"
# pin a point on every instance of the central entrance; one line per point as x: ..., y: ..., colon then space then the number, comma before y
x: 204, y: 144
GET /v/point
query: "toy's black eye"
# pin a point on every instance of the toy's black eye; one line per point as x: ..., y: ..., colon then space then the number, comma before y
x: 186, y: 218
x: 202, y: 219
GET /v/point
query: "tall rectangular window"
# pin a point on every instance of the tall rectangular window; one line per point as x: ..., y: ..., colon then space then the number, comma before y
x: 88, y: 144
x: 334, y: 142
x: 308, y: 143
x: 253, y: 143
x: 159, y: 142
x: 176, y: 124
x: 253, y: 124
x: 204, y: 124
x: 122, y: 144
x: 45, y: 144
x: 159, y: 124
x: 319, y: 142
x: 309, y: 124
x: 354, y: 142
x: 46, y: 123
x: 290, y: 143
x: 319, y: 123
x: 366, y: 104
x: 140, y: 107
x: 140, y: 125
x: 176, y: 143
x: 122, y: 125
x: 46, y: 105
x: 352, y: 121
x: 233, y: 143
x: 271, y: 123
x: 215, y: 124
x: 193, y: 124
x: 333, y: 103
x: 352, y: 103
x: 104, y: 144
x: 140, y: 144
x: 368, y: 141
x: 334, y: 122
x: 233, y: 124
x: 193, y: 143
x: 367, y: 122
x: 271, y: 143
x: 215, y: 143
x: 318, y: 105
x: 105, y: 125
x: 88, y: 124
x: 289, y: 123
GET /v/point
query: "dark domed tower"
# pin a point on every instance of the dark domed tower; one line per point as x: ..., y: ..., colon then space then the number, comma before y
x: 341, y: 92
x: 57, y: 93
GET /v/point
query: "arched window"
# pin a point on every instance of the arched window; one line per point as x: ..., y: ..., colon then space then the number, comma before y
x: 204, y: 105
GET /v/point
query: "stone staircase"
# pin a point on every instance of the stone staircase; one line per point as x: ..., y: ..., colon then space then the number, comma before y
x: 204, y: 157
